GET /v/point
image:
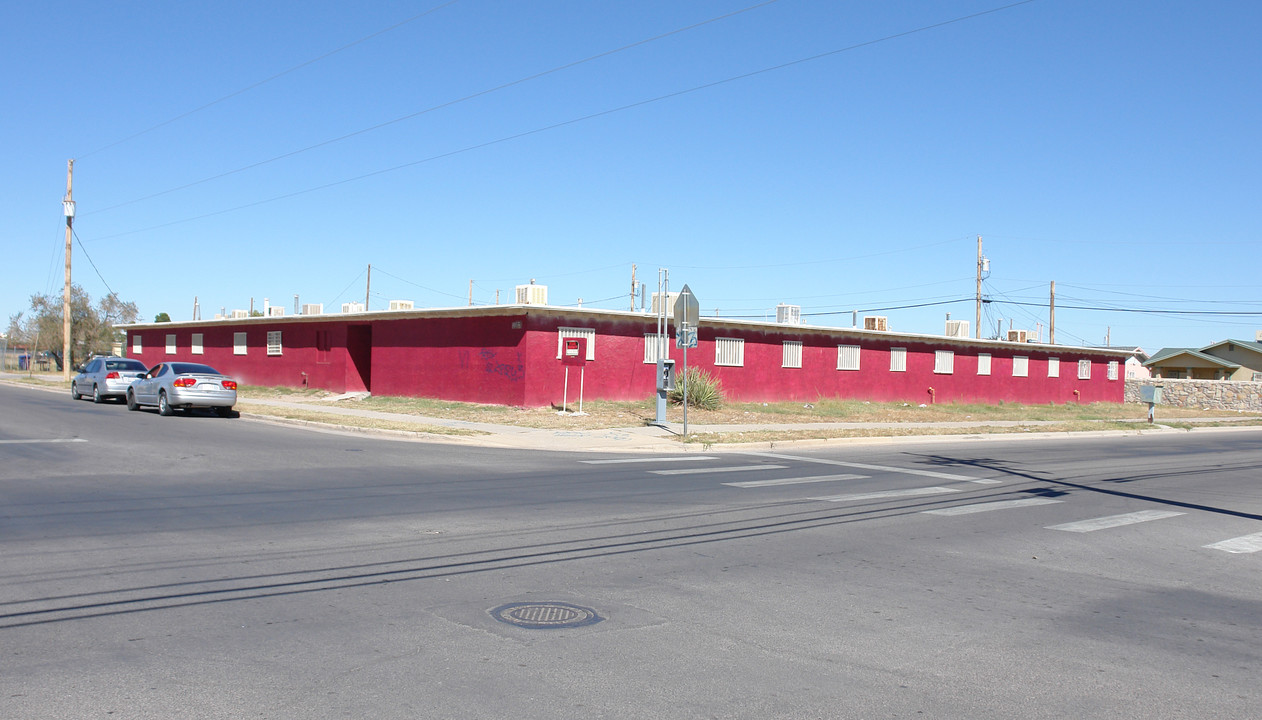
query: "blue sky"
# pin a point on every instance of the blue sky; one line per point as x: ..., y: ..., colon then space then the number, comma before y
x: 836, y: 155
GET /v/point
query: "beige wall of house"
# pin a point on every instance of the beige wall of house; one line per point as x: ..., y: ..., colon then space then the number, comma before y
x: 1250, y: 361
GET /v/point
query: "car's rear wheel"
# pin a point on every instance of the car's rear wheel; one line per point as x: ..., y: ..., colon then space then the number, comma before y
x: 96, y: 394
x: 131, y: 401
x: 164, y: 407
x: 225, y: 412
x: 74, y: 391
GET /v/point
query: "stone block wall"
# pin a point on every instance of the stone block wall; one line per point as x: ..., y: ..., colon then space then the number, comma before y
x: 1203, y: 394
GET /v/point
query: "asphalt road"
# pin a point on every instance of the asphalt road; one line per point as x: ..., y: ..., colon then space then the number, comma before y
x: 195, y: 567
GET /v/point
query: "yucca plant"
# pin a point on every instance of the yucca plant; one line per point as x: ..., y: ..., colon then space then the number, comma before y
x: 705, y: 392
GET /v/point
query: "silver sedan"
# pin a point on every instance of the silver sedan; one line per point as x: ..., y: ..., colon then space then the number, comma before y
x: 106, y: 377
x: 183, y: 385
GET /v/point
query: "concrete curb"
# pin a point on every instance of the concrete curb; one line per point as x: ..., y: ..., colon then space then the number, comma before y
x: 634, y: 439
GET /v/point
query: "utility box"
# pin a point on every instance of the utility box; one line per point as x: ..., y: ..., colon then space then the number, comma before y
x: 1150, y: 393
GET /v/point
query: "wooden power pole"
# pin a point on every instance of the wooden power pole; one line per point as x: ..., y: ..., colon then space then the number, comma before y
x: 368, y: 287
x: 68, y: 205
x: 979, y: 287
x: 1051, y: 327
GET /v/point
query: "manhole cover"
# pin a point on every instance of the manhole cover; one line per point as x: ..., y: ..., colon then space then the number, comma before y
x: 545, y: 615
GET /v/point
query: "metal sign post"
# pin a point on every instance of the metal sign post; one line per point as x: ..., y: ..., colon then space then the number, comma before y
x: 687, y: 314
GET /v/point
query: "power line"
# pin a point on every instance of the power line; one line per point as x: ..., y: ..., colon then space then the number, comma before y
x: 581, y: 119
x: 432, y: 108
x: 266, y: 80
x: 89, y: 257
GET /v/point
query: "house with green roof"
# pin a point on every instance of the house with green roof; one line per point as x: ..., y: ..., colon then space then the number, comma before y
x: 1223, y: 360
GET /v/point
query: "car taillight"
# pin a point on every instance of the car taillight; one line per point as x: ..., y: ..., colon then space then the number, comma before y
x: 184, y: 382
x: 112, y: 376
x: 230, y: 384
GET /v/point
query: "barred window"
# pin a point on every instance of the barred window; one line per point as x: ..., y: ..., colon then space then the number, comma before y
x: 1084, y: 369
x: 847, y: 357
x: 1112, y: 369
x: 1053, y: 367
x: 983, y: 363
x: 944, y: 362
x: 196, y: 346
x: 135, y: 343
x: 273, y: 342
x: 170, y: 343
x: 898, y: 359
x: 238, y: 343
x: 791, y: 355
x: 1020, y: 366
x: 729, y: 352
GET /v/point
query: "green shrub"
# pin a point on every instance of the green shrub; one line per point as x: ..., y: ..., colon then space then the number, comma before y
x: 705, y: 392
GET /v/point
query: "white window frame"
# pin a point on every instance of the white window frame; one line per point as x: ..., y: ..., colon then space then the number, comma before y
x: 274, y: 346
x: 1112, y: 369
x: 729, y: 352
x: 944, y: 362
x: 1084, y: 369
x: 791, y: 354
x: 171, y: 347
x: 588, y: 334
x: 849, y: 357
x: 136, y: 344
x: 650, y: 348
x: 239, y: 343
x: 1053, y: 367
x: 898, y: 359
x: 196, y: 346
x: 983, y: 363
x: 1020, y: 366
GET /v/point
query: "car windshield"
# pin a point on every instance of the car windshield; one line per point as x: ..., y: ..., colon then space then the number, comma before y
x: 127, y: 365
x: 197, y: 368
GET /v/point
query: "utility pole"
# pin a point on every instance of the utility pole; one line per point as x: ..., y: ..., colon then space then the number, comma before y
x: 470, y: 293
x: 633, y: 287
x: 979, y: 288
x: 68, y: 207
x: 368, y: 287
x: 1051, y: 328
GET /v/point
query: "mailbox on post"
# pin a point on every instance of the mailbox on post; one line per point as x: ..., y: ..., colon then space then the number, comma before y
x: 574, y: 351
x: 1150, y: 394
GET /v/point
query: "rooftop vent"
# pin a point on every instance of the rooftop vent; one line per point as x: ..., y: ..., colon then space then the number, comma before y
x: 876, y: 322
x: 400, y: 304
x: 352, y: 307
x: 789, y: 314
x: 275, y: 311
x: 1018, y: 336
x: 532, y: 294
x: 957, y: 328
x: 313, y: 309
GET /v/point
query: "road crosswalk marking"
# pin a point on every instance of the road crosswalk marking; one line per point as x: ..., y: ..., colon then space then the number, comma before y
x: 988, y: 506
x: 864, y: 466
x: 706, y: 471
x: 883, y: 494
x: 1112, y: 521
x: 1243, y: 544
x: 794, y: 481
x: 669, y: 458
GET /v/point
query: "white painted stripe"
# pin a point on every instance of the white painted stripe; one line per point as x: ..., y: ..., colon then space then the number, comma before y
x: 986, y: 507
x: 862, y: 466
x: 700, y: 471
x: 671, y: 458
x: 887, y: 494
x: 1243, y: 544
x: 794, y: 481
x: 52, y: 440
x: 1112, y: 521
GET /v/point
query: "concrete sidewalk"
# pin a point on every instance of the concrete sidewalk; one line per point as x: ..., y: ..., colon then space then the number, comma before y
x: 631, y: 439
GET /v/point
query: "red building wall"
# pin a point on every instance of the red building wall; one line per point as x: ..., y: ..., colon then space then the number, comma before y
x: 510, y: 356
